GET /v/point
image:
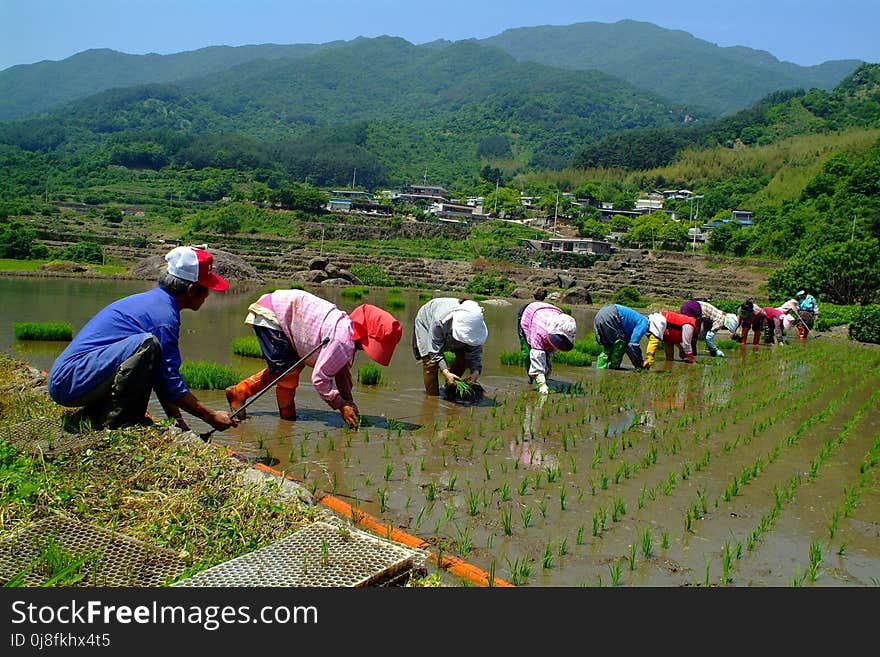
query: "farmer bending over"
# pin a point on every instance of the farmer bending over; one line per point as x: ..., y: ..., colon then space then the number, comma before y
x: 130, y: 348
x: 543, y: 328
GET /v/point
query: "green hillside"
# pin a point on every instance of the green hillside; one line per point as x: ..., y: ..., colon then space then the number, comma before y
x: 855, y: 102
x: 29, y: 90
x: 382, y: 106
x: 683, y: 69
x: 672, y: 63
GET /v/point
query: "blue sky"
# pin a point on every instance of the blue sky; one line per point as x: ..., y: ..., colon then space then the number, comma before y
x: 805, y: 32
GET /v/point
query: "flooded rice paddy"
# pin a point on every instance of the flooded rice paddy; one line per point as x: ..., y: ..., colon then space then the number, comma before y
x: 759, y: 469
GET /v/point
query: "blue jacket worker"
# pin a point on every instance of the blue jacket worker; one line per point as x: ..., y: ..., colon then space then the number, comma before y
x: 130, y: 349
x: 618, y: 330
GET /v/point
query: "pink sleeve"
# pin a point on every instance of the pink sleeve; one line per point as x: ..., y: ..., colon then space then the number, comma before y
x: 333, y: 358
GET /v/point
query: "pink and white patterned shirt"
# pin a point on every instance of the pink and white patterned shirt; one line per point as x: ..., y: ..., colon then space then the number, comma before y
x: 306, y: 320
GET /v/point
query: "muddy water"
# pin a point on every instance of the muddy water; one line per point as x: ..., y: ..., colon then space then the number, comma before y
x: 732, y: 470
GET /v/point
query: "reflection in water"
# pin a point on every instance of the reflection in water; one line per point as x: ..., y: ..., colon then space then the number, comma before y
x: 526, y: 448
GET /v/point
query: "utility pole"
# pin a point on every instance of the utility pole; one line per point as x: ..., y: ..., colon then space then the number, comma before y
x: 353, y: 177
x: 496, y: 197
x: 426, y: 175
x: 853, y: 236
x: 556, y: 213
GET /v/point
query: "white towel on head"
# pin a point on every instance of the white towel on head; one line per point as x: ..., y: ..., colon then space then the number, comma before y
x: 468, y: 325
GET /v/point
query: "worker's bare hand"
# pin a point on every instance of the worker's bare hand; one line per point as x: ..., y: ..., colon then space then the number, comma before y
x: 221, y: 421
x: 451, y: 378
x: 350, y: 416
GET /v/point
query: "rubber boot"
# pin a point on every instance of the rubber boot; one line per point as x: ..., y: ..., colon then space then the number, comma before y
x: 617, y: 353
x: 756, y: 337
x: 802, y: 334
x: 429, y: 377
x: 689, y: 358
x: 238, y: 394
x: 285, y: 392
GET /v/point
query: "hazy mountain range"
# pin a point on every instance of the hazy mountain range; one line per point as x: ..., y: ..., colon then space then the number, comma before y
x: 681, y: 68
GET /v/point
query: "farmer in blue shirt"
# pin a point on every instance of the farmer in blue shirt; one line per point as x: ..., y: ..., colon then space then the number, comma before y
x: 618, y: 330
x: 808, y: 311
x: 130, y: 348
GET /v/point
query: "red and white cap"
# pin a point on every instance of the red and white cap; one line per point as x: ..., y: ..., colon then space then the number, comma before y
x: 196, y: 266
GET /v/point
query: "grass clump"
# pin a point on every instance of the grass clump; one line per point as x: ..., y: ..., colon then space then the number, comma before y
x: 247, y: 345
x: 204, y: 375
x: 43, y: 331
x: 354, y: 292
x: 370, y: 374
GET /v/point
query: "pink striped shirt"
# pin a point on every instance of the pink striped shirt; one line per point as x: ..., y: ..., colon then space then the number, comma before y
x: 535, y: 319
x: 306, y: 320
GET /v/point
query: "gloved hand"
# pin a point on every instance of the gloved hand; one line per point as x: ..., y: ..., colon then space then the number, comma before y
x: 645, y: 366
x: 541, y: 383
x: 349, y: 413
x: 719, y: 353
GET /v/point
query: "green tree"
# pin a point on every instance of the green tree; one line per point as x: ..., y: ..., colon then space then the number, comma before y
x: 843, y: 273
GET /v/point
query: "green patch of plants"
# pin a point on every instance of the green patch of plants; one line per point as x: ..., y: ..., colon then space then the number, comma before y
x: 629, y: 296
x: 43, y: 331
x: 354, y: 292
x: 248, y: 346
x: 372, y: 274
x: 370, y: 374
x: 395, y: 303
x: 205, y: 375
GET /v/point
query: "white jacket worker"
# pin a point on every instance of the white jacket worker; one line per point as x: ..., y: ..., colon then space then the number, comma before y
x: 449, y: 324
x: 543, y: 328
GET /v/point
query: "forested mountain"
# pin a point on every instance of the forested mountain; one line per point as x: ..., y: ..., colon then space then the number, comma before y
x: 672, y: 63
x: 383, y: 106
x: 682, y: 68
x: 27, y: 90
x: 854, y: 103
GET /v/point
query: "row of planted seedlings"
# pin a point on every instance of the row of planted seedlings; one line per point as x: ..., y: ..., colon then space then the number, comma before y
x: 481, y: 494
x: 550, y: 470
x: 841, y: 442
x: 616, y: 509
x: 712, y: 515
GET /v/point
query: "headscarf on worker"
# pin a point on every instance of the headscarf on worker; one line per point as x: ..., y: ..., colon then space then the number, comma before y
x: 449, y: 324
x: 542, y: 329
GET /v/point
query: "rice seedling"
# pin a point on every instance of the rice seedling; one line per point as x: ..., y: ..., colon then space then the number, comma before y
x: 563, y: 492
x: 664, y: 541
x: 504, y: 491
x: 389, y: 469
x: 431, y: 491
x: 506, y: 524
x: 579, y: 536
x: 815, y: 560
x: 472, y: 499
x: 542, y: 507
x: 450, y: 485
x: 43, y: 331
x: 616, y: 570
x: 523, y: 486
x: 382, y: 494
x: 726, y: 558
x: 526, y: 514
x: 562, y: 548
x: 632, y: 557
x: 842, y: 549
x: 247, y: 346
x: 547, y: 557
x: 647, y: 543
